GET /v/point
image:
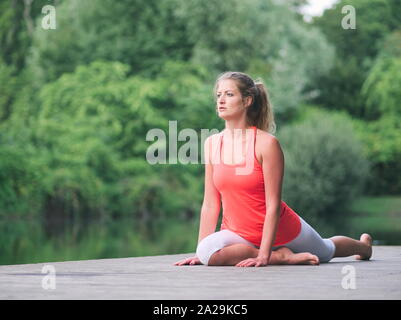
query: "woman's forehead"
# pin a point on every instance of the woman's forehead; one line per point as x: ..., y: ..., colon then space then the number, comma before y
x: 227, y: 84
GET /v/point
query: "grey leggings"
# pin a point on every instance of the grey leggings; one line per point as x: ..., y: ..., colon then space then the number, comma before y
x: 308, y: 240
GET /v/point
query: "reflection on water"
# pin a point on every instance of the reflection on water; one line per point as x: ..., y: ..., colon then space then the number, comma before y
x: 34, y: 241
x: 31, y: 241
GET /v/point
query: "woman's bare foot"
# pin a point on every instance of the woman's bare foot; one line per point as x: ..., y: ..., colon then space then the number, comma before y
x: 367, y: 239
x: 288, y: 257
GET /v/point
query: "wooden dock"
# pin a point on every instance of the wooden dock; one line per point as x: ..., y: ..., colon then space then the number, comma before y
x: 155, y: 277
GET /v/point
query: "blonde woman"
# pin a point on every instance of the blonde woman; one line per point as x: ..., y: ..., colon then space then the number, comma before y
x: 244, y: 174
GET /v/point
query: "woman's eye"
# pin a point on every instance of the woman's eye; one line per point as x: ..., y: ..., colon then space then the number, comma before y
x: 228, y: 94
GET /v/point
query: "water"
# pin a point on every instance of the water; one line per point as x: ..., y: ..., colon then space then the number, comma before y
x: 34, y: 241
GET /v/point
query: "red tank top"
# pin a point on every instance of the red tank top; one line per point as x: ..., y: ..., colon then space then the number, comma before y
x: 243, y: 197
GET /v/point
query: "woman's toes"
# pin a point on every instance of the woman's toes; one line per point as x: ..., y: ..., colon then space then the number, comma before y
x: 367, y: 239
x: 311, y: 259
x: 315, y: 260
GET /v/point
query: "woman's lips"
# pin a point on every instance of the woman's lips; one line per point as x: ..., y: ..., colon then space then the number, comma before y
x: 222, y: 108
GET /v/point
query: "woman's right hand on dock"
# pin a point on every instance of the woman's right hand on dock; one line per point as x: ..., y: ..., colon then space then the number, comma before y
x: 188, y: 261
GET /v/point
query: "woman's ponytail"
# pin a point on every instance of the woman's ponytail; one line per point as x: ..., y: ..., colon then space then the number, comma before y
x: 260, y: 113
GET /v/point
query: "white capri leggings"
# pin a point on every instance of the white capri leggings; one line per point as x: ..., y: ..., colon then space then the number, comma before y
x: 308, y: 240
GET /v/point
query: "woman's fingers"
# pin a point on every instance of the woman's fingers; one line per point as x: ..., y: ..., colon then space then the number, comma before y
x: 246, y: 263
x: 190, y: 261
x: 181, y: 262
x: 186, y: 261
x: 195, y: 261
x: 241, y: 263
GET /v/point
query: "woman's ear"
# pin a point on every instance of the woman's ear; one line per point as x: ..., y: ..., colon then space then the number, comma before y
x: 248, y: 101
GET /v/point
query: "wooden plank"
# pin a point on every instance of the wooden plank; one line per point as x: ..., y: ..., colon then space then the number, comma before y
x: 156, y: 277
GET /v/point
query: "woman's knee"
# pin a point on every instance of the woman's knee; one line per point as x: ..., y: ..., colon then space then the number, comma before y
x: 208, y: 246
x: 216, y: 259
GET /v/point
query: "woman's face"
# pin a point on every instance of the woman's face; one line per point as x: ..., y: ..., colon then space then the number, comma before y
x: 229, y: 100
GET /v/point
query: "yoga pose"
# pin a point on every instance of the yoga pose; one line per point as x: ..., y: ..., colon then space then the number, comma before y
x: 258, y: 228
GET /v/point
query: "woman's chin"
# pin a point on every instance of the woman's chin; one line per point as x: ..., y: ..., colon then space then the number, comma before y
x: 223, y: 115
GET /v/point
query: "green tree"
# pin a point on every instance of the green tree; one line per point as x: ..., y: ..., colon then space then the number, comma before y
x: 262, y: 38
x: 16, y: 32
x: 382, y: 91
x: 382, y: 88
x: 325, y: 168
x: 8, y: 85
x: 270, y: 42
x: 86, y: 143
x: 90, y: 136
x: 141, y: 33
x: 356, y: 50
x: 382, y: 146
x: 17, y: 21
x: 374, y: 20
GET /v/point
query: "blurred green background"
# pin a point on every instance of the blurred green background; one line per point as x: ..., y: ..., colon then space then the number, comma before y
x: 77, y: 102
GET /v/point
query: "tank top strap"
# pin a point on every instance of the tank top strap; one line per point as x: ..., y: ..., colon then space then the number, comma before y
x: 219, y: 147
x: 250, y: 145
x: 253, y: 147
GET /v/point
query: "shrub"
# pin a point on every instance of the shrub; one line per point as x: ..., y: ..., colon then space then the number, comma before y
x: 382, y: 146
x: 325, y: 168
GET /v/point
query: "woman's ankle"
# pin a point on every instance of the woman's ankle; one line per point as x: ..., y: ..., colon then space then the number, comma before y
x: 280, y: 256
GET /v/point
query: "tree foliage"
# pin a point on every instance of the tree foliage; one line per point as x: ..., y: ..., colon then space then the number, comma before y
x: 87, y: 143
x: 356, y: 50
x: 270, y: 42
x: 142, y: 34
x: 382, y: 86
x: 262, y: 38
x: 325, y: 167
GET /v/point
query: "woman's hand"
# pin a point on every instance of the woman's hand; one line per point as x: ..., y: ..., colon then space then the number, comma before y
x: 253, y: 262
x: 189, y: 261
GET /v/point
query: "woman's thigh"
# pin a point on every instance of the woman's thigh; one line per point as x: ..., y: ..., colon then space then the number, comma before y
x: 309, y: 240
x: 217, y: 241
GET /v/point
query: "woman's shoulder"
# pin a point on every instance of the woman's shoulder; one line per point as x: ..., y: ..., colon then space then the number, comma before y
x: 212, y: 141
x: 266, y: 144
x: 265, y: 138
x: 213, y: 137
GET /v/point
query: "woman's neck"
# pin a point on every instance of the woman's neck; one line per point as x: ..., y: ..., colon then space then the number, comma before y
x: 236, y: 132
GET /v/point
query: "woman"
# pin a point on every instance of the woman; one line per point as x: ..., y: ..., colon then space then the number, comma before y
x: 258, y: 228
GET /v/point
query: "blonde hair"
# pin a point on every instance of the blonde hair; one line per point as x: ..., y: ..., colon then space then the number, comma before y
x: 260, y: 112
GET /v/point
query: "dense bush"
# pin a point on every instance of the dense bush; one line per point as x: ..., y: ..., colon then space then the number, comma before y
x: 382, y: 145
x: 19, y: 193
x: 270, y: 42
x: 87, y: 146
x: 381, y: 137
x: 325, y: 168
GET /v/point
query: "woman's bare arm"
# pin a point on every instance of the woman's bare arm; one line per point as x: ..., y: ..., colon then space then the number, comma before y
x: 273, y: 172
x: 212, y: 200
x: 211, y: 203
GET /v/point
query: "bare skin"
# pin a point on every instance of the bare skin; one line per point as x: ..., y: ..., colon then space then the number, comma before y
x: 236, y: 255
x: 346, y: 246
